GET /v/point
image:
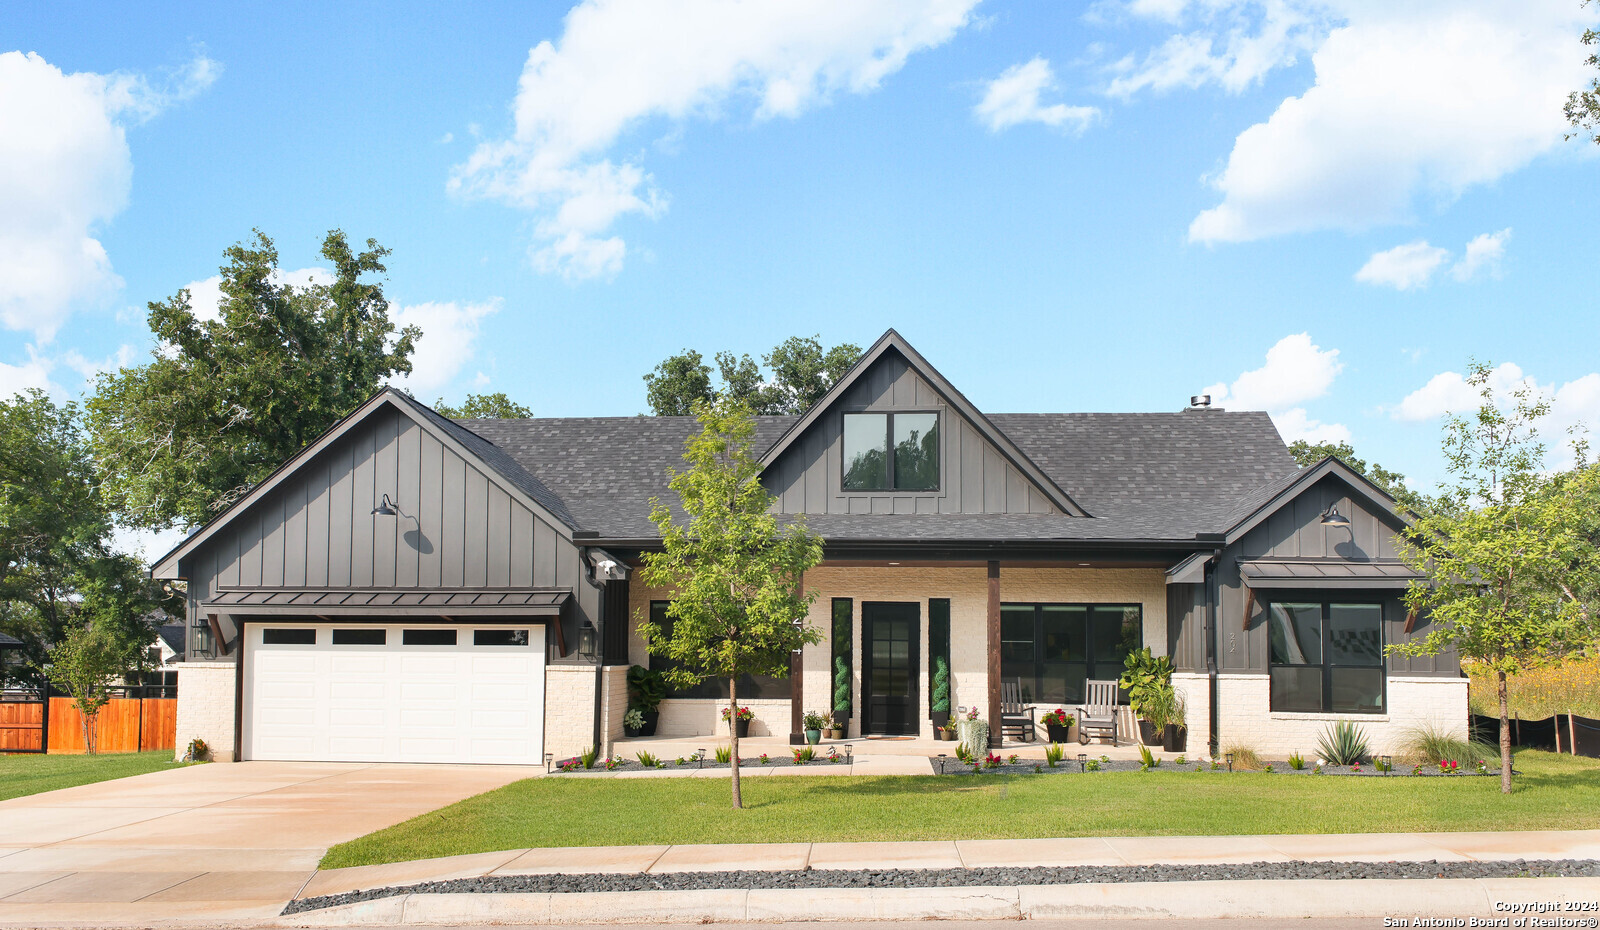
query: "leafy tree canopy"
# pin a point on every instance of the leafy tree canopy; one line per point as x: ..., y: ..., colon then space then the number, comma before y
x: 223, y: 402
x: 800, y: 371
x: 87, y: 664
x: 1583, y: 106
x: 496, y: 406
x: 1393, y: 483
x: 734, y: 570
x: 1510, y: 554
x: 58, y: 567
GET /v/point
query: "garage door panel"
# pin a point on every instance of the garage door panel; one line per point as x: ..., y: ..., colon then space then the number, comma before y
x: 393, y: 702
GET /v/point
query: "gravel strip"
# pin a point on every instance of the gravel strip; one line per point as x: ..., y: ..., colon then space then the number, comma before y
x: 947, y: 878
x: 1071, y: 766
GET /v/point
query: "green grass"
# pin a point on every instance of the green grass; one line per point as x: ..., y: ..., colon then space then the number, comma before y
x: 24, y: 774
x: 1557, y: 792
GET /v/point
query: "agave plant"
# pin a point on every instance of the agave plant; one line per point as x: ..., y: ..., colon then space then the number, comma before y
x: 1053, y: 754
x: 1343, y: 743
x: 724, y: 754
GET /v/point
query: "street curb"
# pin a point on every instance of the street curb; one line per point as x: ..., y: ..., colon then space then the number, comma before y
x: 1317, y: 898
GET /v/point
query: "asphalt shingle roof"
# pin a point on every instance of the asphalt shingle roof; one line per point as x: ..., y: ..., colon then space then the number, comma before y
x: 1141, y: 476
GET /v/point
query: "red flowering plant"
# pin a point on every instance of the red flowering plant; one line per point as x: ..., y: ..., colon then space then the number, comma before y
x: 1447, y: 766
x: 1057, y: 717
x: 745, y: 713
x: 991, y: 761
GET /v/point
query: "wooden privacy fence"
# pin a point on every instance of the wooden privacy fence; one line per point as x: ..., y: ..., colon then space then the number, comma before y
x: 123, y: 725
x: 21, y: 726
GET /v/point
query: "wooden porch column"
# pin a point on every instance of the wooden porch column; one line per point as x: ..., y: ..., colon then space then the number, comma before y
x: 797, y: 731
x: 994, y: 653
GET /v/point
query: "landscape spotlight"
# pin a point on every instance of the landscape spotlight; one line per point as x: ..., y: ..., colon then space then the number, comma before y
x: 1083, y: 762
x: 1229, y: 757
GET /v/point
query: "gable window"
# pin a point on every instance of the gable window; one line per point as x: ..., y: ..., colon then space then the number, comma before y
x: 891, y: 452
x: 1327, y: 656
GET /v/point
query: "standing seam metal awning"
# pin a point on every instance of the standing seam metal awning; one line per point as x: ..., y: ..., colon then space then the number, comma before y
x: 1325, y: 573
x: 411, y: 602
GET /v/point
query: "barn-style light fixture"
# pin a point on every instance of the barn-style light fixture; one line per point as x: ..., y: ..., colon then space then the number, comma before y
x: 385, y: 507
x: 1332, y: 517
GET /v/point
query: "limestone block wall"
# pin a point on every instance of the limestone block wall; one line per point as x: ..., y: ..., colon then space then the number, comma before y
x: 1246, y: 716
x: 703, y: 717
x: 1195, y: 690
x: 206, y: 708
x: 568, y: 709
x: 613, y: 703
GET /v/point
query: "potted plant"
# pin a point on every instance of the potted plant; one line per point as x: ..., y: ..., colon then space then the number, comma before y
x: 1143, y: 676
x: 1058, y: 725
x: 1175, y: 736
x: 740, y: 719
x: 939, y: 702
x: 646, y: 689
x: 633, y: 723
x: 947, y: 733
x: 1158, y: 709
x: 814, y: 723
x: 841, y: 698
x: 973, y: 733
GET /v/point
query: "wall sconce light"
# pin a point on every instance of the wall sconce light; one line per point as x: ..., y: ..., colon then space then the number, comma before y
x: 587, y: 641
x: 1332, y: 517
x: 385, y: 507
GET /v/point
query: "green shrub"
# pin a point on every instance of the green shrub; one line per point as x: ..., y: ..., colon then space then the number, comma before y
x: 1429, y: 745
x: 1343, y: 743
x: 1245, y: 757
x: 802, y: 756
x: 724, y: 754
x: 589, y: 757
x: 1148, y: 760
x: 841, y: 686
x: 1297, y: 761
x: 646, y: 688
x: 1053, y: 754
x: 648, y: 760
x: 941, y: 686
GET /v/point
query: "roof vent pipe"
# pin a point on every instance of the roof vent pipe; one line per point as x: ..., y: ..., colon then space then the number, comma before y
x: 1200, y: 401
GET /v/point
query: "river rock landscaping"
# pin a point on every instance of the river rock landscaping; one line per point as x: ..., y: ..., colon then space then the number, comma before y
x: 952, y: 878
x: 1014, y: 765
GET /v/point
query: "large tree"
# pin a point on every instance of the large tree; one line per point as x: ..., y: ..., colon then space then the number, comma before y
x: 1509, y: 552
x: 59, y: 569
x: 224, y: 401
x: 800, y: 371
x: 496, y: 406
x: 1392, y: 482
x: 733, y: 569
x: 1583, y: 106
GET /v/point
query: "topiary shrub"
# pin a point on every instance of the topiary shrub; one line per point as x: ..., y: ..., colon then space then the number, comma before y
x: 941, y: 686
x: 841, y: 686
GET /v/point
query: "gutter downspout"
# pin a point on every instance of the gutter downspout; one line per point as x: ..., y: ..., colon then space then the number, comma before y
x: 1215, y: 738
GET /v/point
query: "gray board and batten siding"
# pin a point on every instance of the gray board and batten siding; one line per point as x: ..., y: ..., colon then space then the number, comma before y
x: 974, y: 476
x: 1295, y: 531
x: 457, y: 526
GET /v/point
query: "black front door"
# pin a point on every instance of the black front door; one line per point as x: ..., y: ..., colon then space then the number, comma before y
x: 889, y: 635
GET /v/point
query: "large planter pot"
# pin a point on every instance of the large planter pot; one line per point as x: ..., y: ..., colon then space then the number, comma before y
x: 813, y: 737
x: 945, y: 736
x: 1058, y: 733
x: 742, y: 727
x: 939, y: 718
x: 1148, y: 734
x: 834, y: 733
x: 649, y: 728
x: 1175, y: 738
x: 841, y: 719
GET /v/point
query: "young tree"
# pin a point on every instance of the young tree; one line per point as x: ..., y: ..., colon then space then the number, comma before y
x: 58, y: 567
x: 224, y: 402
x: 1392, y: 482
x: 87, y: 664
x: 496, y: 406
x: 734, y: 570
x: 1505, y: 552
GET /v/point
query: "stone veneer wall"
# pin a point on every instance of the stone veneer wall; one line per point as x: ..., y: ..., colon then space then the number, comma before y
x: 1246, y: 717
x: 206, y: 708
x: 613, y: 704
x: 568, y: 709
x: 968, y: 591
x: 1195, y: 689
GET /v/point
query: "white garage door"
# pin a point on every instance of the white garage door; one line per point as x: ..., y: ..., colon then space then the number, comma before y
x: 394, y: 692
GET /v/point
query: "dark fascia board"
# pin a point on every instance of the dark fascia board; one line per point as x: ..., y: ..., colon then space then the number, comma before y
x: 167, y: 565
x: 1360, y: 484
x: 893, y: 340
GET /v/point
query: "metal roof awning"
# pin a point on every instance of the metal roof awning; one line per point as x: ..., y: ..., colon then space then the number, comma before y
x: 1325, y: 573
x: 411, y: 602
x: 1191, y: 570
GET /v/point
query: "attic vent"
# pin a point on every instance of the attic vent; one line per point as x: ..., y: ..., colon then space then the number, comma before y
x: 1200, y: 401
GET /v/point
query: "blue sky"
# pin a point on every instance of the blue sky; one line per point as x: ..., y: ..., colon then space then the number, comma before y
x: 1323, y: 208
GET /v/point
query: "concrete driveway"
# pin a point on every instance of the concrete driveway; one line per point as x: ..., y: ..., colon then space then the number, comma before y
x: 203, y: 842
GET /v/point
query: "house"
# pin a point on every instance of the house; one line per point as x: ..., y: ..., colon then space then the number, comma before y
x: 411, y: 588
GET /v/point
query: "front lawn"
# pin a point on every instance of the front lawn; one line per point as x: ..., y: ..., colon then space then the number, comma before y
x: 1554, y: 793
x: 30, y: 774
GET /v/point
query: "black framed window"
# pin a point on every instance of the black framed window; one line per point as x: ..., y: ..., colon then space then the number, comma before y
x: 293, y: 637
x: 751, y: 687
x: 1054, y: 648
x: 891, y: 452
x: 499, y: 637
x: 428, y: 637
x: 360, y: 637
x: 1326, y: 656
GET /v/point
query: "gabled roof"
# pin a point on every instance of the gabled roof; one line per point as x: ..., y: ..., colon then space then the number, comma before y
x: 892, y: 341
x: 500, y: 468
x: 1256, y: 507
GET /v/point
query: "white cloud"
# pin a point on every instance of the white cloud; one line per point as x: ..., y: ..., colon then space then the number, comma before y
x: 1412, y: 101
x: 148, y: 545
x: 1404, y: 266
x: 65, y: 171
x: 39, y: 371
x: 1013, y: 98
x: 1483, y: 254
x: 1235, y: 44
x: 619, y: 63
x: 1574, y: 405
x: 205, y: 296
x: 1296, y: 371
x: 449, y: 340
x: 34, y: 373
